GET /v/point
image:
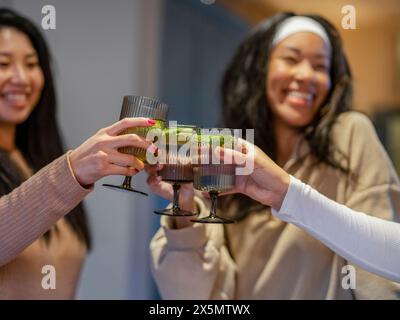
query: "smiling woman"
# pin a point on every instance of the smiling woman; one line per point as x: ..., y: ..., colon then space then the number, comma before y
x: 21, y: 78
x: 30, y: 140
x: 298, y: 79
x: 42, y: 222
x: 290, y: 81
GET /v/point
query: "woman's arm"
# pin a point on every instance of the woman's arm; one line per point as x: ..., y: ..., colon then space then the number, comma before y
x: 369, y: 242
x: 30, y: 210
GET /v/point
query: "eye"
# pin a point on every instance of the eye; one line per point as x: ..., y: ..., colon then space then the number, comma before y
x: 321, y: 67
x: 32, y: 64
x: 4, y: 64
x: 290, y: 60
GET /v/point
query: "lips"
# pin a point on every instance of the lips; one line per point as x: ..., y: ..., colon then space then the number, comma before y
x: 16, y: 99
x: 299, y: 98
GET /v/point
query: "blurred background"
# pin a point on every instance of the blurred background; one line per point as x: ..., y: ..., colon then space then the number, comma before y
x: 176, y: 50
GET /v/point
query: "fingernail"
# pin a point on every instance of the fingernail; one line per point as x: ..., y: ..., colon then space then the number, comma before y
x: 136, y: 170
x: 151, y: 121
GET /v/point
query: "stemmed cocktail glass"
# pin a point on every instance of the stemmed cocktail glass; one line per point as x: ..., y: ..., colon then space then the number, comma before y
x: 139, y: 106
x: 177, y: 168
x: 210, y: 175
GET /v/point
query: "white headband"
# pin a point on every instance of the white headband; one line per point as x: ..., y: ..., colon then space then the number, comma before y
x: 300, y: 24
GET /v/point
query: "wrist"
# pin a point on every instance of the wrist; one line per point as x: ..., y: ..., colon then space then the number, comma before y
x: 75, y: 171
x: 281, y: 188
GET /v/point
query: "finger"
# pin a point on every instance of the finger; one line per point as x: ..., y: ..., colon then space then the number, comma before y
x: 240, y: 145
x: 114, y: 169
x: 153, y: 169
x: 243, y: 145
x: 159, y: 186
x: 154, y: 180
x: 125, y: 160
x: 231, y: 156
x: 130, y: 140
x: 126, y: 123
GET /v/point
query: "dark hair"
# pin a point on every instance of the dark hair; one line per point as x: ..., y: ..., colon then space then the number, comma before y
x: 245, y: 104
x: 38, y: 138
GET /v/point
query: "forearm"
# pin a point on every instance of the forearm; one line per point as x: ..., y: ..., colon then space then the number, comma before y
x: 371, y: 243
x: 31, y: 209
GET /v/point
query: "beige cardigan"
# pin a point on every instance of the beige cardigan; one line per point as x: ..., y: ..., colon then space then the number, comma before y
x: 262, y: 257
x: 25, y: 214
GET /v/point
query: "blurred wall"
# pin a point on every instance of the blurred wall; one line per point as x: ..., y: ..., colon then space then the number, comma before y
x: 198, y: 41
x: 371, y: 51
x: 102, y: 51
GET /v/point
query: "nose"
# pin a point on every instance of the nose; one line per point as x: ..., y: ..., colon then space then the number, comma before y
x: 304, y: 72
x: 19, y: 75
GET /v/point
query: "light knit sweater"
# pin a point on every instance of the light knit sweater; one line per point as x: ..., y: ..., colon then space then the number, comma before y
x: 25, y: 215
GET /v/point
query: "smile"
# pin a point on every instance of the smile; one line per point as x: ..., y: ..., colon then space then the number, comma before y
x: 299, y: 98
x: 15, y: 96
x: 17, y: 99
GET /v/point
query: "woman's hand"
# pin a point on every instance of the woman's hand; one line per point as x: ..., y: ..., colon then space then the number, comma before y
x: 267, y: 183
x: 98, y: 156
x: 165, y: 190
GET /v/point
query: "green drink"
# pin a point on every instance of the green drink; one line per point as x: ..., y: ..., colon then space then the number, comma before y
x: 209, y: 174
x: 133, y: 107
x: 140, y: 153
x: 177, y: 168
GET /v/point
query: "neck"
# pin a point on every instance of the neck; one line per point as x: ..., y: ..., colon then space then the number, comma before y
x: 287, y: 139
x: 7, y: 134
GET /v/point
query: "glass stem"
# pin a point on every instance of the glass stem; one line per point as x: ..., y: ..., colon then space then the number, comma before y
x: 127, y: 182
x: 213, y: 210
x: 175, y: 203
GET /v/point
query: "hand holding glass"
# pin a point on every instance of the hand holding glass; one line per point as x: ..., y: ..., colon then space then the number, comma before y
x: 138, y: 106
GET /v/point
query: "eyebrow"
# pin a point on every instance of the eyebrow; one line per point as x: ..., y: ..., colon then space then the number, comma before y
x: 29, y: 55
x: 298, y: 51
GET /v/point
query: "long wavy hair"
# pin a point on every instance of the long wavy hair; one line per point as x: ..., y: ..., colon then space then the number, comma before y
x: 38, y: 138
x: 245, y: 103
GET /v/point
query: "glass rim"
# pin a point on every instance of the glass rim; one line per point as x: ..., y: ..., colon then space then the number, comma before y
x: 142, y: 106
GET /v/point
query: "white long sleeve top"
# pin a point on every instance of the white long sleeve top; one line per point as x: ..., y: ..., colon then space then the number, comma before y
x: 369, y: 242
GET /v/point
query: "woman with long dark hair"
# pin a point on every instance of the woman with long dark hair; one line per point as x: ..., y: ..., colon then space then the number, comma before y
x: 39, y: 184
x: 291, y: 82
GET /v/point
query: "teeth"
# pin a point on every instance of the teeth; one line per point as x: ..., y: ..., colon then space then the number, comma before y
x: 298, y: 94
x: 15, y: 96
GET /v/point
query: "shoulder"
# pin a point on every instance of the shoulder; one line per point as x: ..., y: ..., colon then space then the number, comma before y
x: 354, y: 129
x: 355, y: 136
x: 354, y: 120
